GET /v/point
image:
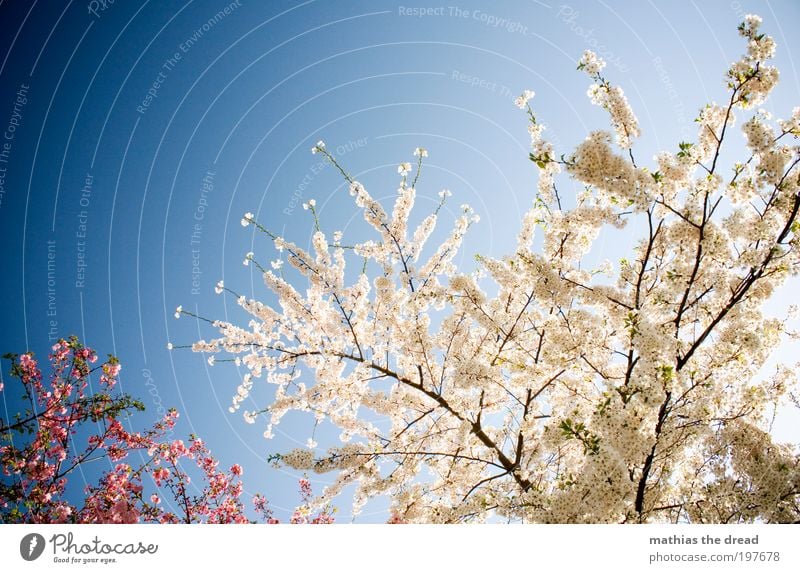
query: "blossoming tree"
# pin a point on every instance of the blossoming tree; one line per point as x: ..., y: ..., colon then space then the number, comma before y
x: 536, y: 389
x: 39, y: 452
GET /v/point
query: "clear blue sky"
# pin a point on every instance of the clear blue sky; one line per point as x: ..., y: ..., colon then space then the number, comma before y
x: 116, y: 136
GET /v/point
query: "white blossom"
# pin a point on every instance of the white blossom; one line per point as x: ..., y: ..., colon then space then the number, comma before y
x: 591, y: 63
x: 522, y: 100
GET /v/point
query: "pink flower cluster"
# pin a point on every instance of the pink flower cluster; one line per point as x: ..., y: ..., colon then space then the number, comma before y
x: 37, y: 468
x: 304, y: 514
x: 118, y: 498
x: 40, y: 468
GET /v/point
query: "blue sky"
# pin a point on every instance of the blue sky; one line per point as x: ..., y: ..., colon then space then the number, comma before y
x: 144, y: 136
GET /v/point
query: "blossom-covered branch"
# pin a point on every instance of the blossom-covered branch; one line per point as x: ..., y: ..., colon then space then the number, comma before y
x: 39, y: 453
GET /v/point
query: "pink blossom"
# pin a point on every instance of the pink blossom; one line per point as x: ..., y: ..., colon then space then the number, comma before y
x: 160, y: 474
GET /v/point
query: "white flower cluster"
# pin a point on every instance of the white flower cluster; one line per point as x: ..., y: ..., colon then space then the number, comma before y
x: 522, y: 101
x: 610, y: 98
x: 711, y: 120
x: 535, y: 131
x: 242, y: 392
x: 751, y: 76
x: 613, y: 100
x: 591, y: 63
x: 299, y: 459
x: 760, y: 136
x: 760, y: 47
x: 792, y: 125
